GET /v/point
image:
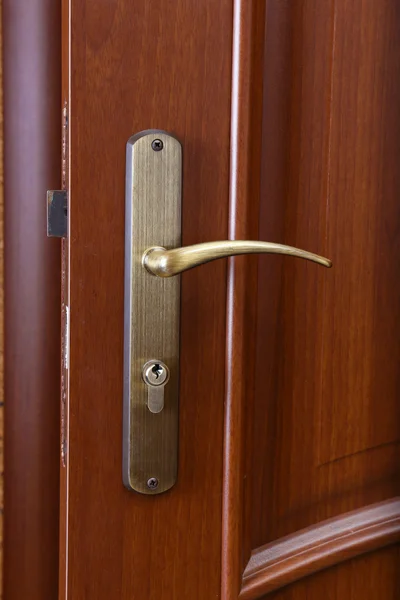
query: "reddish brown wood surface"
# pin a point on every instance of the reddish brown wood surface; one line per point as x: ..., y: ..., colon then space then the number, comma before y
x: 32, y: 81
x: 308, y: 551
x: 320, y: 440
x: 370, y: 577
x: 136, y: 66
x: 326, y: 418
x: 290, y: 133
x: 246, y: 113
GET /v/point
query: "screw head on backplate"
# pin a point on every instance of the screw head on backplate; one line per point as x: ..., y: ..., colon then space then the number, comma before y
x: 157, y: 145
x: 152, y: 483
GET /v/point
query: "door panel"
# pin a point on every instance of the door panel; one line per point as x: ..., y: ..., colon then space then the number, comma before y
x: 287, y: 115
x: 136, y: 66
x: 326, y: 414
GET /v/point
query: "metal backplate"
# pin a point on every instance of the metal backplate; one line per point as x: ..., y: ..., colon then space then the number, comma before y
x: 152, y: 305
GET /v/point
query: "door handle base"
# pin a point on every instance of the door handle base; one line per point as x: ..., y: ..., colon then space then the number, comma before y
x: 151, y: 313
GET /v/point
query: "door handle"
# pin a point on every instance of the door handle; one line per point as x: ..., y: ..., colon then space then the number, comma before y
x: 153, y: 262
x: 167, y: 263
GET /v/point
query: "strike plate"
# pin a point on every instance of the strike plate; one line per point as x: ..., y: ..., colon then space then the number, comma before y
x: 152, y: 309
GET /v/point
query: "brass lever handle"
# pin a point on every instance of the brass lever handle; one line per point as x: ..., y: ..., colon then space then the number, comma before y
x: 167, y: 263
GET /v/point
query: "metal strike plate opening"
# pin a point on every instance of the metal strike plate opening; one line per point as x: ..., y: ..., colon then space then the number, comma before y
x: 152, y: 311
x: 57, y: 213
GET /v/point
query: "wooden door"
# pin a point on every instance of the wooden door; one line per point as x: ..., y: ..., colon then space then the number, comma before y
x: 289, y: 413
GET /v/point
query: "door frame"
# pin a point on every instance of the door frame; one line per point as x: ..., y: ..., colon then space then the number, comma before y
x: 32, y: 164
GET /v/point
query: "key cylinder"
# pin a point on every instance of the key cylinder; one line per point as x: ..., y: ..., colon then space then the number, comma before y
x: 155, y: 375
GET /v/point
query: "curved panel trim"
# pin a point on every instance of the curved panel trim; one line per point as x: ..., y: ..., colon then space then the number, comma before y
x: 323, y: 545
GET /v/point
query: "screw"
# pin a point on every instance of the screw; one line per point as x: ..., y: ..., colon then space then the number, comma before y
x: 152, y: 483
x: 157, y: 145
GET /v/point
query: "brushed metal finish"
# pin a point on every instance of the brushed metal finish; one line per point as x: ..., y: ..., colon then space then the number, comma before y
x: 167, y: 263
x: 151, y: 328
x: 156, y: 376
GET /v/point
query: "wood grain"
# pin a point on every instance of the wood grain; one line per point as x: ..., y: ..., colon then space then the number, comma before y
x: 320, y: 439
x: 326, y: 424
x: 246, y: 111
x: 289, y: 129
x: 370, y: 577
x: 115, y: 536
x: 31, y: 75
x: 328, y: 543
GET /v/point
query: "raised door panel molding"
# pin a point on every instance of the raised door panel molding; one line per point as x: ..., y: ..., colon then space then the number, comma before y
x: 282, y: 562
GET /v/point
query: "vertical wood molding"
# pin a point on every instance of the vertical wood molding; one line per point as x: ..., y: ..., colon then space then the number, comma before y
x: 31, y: 67
x: 246, y: 115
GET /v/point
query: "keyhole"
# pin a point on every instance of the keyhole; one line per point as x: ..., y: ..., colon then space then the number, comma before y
x: 157, y: 370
